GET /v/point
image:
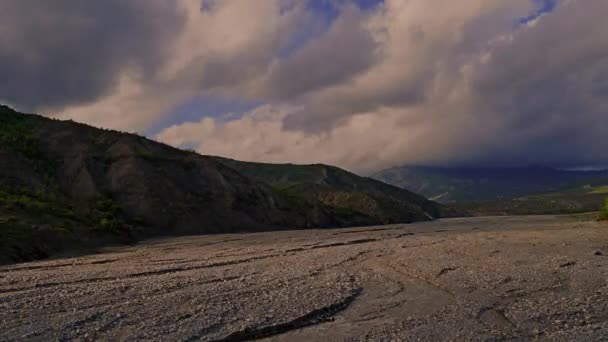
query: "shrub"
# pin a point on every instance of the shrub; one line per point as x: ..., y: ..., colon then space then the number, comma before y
x: 108, y: 207
x: 604, y: 211
x: 110, y: 225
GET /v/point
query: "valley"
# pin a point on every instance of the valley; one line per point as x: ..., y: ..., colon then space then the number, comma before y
x: 304, y: 170
x: 478, y: 279
x: 488, y: 191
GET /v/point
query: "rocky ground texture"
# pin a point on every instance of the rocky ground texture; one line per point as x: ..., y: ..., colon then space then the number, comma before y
x: 538, y: 278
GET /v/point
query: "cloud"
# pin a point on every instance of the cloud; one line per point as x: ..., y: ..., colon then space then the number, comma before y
x: 421, y: 50
x: 123, y: 64
x: 405, y: 82
x: 345, y: 50
x: 67, y: 52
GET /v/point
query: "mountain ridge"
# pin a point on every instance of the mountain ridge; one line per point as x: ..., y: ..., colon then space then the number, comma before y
x: 66, y: 185
x: 326, y: 183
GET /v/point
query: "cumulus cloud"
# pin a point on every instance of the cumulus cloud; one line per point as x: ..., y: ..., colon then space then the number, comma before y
x: 455, y: 87
x: 123, y: 64
x: 408, y: 82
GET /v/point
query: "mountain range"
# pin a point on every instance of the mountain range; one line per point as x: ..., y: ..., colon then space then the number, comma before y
x: 66, y: 186
x: 507, y: 190
x: 452, y: 185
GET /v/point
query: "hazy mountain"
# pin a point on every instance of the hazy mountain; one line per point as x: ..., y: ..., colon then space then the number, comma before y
x: 450, y: 185
x: 65, y: 185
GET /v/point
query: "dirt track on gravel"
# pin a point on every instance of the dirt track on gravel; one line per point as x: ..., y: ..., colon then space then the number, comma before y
x: 526, y: 278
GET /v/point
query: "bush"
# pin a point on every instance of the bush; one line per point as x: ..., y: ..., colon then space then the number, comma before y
x: 109, y: 225
x: 604, y: 211
x: 35, y: 204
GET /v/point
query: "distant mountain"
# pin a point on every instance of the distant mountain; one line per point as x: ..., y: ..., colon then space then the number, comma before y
x: 582, y: 199
x: 65, y: 186
x: 450, y: 185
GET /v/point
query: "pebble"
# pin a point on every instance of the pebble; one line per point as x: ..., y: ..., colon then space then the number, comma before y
x: 270, y: 293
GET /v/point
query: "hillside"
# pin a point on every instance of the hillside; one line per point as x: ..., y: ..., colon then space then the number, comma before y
x: 568, y: 201
x: 65, y: 185
x: 373, y: 200
x: 450, y: 185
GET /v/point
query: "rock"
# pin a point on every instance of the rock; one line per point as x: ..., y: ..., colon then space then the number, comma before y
x: 567, y: 264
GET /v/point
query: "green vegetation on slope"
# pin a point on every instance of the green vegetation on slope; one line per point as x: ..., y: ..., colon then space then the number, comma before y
x: 600, y: 190
x: 604, y: 211
x: 15, y: 132
x: 549, y: 204
x: 569, y: 201
x: 37, y: 218
x: 35, y: 225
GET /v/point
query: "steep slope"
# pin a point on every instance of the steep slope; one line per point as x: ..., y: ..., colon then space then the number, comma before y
x: 370, y: 200
x: 65, y: 185
x: 448, y: 185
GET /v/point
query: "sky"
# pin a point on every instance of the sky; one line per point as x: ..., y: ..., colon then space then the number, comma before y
x: 361, y: 84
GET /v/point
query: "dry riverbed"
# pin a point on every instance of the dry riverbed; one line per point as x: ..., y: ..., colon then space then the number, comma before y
x: 491, y: 279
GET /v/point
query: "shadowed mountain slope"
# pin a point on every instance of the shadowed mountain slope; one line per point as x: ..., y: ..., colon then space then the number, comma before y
x: 343, y: 190
x: 65, y: 185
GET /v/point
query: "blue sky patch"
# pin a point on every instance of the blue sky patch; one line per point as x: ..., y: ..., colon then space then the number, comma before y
x: 197, y: 108
x: 327, y: 11
x: 544, y: 7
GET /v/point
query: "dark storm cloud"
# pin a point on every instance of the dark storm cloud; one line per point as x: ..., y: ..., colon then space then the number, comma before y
x: 548, y: 87
x: 64, y: 52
